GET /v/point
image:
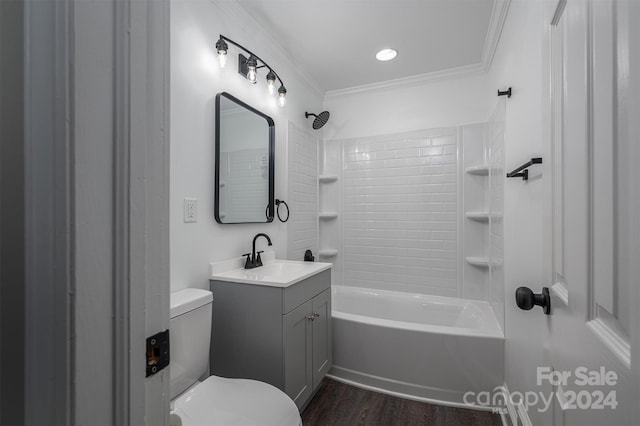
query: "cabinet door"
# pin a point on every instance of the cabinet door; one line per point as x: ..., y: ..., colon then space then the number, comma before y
x: 321, y: 336
x: 296, y: 329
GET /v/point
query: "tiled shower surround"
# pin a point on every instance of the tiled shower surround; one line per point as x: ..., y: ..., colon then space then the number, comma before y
x: 403, y: 212
x: 399, y: 212
x: 402, y: 215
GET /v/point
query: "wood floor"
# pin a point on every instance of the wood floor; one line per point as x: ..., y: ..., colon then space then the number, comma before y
x: 340, y: 404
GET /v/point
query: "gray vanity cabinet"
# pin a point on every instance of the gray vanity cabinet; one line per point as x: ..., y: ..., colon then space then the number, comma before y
x: 281, y: 336
x: 307, y: 346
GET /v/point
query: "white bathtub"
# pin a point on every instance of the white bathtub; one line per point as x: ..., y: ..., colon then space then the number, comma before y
x: 421, y: 347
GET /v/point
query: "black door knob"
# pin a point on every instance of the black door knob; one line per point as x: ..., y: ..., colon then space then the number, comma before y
x: 526, y: 299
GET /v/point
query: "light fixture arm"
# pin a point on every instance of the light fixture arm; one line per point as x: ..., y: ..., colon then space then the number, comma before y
x: 264, y: 64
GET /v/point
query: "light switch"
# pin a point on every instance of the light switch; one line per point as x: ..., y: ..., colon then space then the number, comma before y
x: 190, y: 210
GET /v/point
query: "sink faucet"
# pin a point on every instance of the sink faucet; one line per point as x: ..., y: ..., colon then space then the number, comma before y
x: 253, y: 258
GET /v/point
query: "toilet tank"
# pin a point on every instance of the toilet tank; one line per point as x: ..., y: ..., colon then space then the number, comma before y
x: 189, y: 334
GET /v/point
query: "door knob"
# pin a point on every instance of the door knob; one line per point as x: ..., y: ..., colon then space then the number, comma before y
x: 526, y: 299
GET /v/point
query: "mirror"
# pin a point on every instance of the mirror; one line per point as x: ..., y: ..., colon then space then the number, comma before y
x: 244, y: 162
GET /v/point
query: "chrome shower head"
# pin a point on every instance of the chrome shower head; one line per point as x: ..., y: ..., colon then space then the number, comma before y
x: 320, y: 119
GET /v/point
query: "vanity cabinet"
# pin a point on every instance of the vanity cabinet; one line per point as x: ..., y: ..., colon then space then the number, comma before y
x: 279, y: 335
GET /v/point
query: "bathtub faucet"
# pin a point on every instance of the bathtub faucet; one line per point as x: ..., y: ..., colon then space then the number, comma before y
x: 253, y: 258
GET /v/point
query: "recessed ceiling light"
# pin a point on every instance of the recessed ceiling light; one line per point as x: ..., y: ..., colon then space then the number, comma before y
x: 386, y: 54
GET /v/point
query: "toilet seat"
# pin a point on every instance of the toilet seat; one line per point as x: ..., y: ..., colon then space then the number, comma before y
x: 221, y: 401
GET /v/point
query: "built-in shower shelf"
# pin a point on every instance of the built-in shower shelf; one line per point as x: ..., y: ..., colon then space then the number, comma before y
x: 483, y: 216
x: 327, y: 178
x: 327, y: 215
x: 483, y: 262
x: 328, y: 253
x: 479, y: 170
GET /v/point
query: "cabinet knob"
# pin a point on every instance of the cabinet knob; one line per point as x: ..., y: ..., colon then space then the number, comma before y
x: 311, y: 317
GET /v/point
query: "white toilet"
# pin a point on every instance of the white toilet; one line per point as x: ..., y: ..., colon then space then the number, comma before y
x: 216, y: 400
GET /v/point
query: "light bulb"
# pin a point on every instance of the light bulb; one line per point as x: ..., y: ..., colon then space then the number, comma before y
x: 271, y: 82
x: 282, y: 101
x: 282, y: 93
x: 222, y: 59
x: 222, y: 47
x: 252, y: 75
x: 252, y: 64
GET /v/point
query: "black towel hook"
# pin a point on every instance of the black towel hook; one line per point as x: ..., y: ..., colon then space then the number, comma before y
x: 506, y: 93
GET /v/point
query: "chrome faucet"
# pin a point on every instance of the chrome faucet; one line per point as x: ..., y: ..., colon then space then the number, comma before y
x: 253, y: 258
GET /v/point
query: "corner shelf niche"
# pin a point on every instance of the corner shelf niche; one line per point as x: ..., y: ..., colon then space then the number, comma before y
x: 327, y: 178
x: 483, y: 262
x: 483, y: 216
x: 328, y: 227
x: 479, y: 170
x: 327, y: 215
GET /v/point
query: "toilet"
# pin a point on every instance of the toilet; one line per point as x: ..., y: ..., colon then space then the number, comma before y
x: 216, y: 400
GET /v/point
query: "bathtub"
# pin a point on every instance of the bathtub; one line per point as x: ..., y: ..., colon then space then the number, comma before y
x: 427, y: 348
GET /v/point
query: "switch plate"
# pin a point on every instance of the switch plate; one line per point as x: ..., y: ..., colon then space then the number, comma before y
x: 190, y: 210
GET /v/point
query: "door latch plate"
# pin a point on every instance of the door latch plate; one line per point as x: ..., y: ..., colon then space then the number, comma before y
x: 157, y: 352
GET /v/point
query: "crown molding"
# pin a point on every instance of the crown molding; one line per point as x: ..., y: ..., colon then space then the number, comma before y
x: 235, y: 11
x: 414, y: 80
x: 496, y: 23
x: 492, y: 38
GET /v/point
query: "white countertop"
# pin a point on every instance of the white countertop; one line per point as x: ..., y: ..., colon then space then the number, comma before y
x: 273, y: 273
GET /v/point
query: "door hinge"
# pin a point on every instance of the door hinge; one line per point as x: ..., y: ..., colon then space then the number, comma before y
x: 157, y: 352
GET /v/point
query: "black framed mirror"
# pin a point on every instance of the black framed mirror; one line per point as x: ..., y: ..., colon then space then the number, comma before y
x: 244, y: 175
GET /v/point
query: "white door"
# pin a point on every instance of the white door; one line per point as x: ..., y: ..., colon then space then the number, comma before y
x: 593, y: 239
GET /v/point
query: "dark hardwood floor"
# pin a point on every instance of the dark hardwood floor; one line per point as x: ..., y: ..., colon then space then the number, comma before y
x: 340, y: 404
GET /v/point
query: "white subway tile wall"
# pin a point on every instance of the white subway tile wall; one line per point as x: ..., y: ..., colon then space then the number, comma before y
x: 303, y: 193
x: 400, y: 212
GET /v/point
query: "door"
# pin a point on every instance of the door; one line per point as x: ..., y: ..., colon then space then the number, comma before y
x: 321, y: 334
x: 96, y: 204
x: 593, y: 203
x: 297, y: 343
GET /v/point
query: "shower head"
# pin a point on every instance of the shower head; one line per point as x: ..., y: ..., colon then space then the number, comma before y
x: 320, y: 119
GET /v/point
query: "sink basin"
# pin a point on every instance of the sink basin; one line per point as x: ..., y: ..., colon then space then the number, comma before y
x: 275, y: 273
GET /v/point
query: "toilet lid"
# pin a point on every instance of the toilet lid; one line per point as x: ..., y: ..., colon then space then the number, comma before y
x: 221, y: 401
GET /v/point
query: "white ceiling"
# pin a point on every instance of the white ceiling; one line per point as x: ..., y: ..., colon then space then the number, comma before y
x: 336, y: 40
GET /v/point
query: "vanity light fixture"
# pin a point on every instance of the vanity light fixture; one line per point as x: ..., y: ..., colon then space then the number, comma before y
x: 248, y: 67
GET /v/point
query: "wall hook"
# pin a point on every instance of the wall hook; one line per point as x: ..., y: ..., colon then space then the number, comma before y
x: 506, y: 93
